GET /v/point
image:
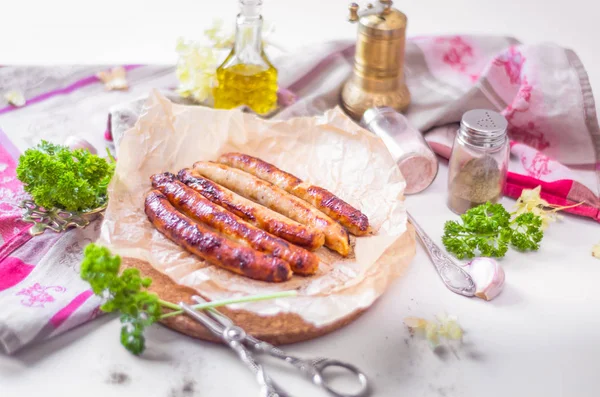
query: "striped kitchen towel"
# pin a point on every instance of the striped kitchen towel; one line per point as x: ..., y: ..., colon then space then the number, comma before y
x: 41, y: 292
x: 542, y: 90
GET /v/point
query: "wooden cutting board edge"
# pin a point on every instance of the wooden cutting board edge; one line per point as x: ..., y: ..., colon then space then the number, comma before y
x: 283, y: 328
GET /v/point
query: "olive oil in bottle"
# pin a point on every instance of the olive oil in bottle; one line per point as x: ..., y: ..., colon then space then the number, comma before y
x: 247, y: 77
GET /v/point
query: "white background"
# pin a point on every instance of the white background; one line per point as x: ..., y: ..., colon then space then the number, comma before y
x: 144, y: 31
x: 539, y: 338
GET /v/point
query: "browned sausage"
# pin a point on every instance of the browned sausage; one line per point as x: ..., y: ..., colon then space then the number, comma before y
x: 253, y: 213
x: 269, y: 195
x: 352, y: 219
x: 211, y: 247
x: 194, y: 205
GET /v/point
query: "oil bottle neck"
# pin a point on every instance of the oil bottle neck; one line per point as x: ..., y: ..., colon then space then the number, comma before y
x: 249, y: 27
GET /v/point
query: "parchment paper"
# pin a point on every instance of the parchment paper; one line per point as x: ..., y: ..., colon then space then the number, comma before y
x: 330, y: 151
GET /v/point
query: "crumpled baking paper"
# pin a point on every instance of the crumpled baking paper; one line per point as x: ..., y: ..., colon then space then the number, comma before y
x: 330, y: 151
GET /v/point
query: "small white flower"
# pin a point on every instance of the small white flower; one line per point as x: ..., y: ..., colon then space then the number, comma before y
x: 445, y: 327
x: 198, y: 63
x: 15, y: 98
x: 596, y: 251
x: 114, y: 79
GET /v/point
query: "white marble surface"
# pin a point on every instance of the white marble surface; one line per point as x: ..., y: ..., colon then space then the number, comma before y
x: 539, y: 337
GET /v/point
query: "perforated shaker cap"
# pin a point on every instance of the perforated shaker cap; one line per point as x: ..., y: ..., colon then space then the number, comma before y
x: 485, y: 128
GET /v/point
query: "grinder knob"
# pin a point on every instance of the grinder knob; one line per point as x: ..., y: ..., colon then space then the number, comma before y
x: 353, y: 8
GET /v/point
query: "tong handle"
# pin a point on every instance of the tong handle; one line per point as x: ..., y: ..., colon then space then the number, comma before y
x: 314, y: 369
x: 267, y: 387
x: 244, y: 345
x: 235, y: 338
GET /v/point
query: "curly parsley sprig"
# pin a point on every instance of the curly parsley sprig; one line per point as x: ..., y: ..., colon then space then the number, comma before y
x: 489, y: 230
x: 58, y: 177
x: 126, y: 293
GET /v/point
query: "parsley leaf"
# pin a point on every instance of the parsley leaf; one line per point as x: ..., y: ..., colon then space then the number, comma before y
x: 58, y: 177
x: 487, y: 230
x: 126, y: 293
x: 123, y: 293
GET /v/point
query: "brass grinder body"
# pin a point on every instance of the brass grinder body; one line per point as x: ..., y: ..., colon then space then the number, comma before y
x: 378, y: 74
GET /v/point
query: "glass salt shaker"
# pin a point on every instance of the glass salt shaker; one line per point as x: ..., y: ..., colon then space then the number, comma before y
x: 479, y: 160
x: 414, y: 157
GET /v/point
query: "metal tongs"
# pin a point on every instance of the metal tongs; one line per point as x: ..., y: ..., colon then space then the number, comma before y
x: 247, y: 346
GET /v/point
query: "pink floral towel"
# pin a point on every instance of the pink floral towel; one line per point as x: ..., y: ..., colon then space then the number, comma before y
x: 544, y: 93
x: 541, y: 89
x: 41, y: 292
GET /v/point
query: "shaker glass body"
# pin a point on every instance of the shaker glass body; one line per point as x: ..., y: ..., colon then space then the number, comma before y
x: 414, y: 157
x: 479, y: 161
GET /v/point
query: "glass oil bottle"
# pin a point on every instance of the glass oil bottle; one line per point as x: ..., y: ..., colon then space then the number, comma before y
x: 247, y: 77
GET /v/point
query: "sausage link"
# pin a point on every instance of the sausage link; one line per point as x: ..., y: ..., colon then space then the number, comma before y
x: 253, y: 213
x: 269, y: 195
x: 194, y: 205
x: 352, y: 219
x: 211, y: 247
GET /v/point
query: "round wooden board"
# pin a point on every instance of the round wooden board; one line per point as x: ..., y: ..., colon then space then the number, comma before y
x: 278, y: 330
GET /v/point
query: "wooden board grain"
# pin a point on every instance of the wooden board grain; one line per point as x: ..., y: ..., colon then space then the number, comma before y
x: 280, y: 329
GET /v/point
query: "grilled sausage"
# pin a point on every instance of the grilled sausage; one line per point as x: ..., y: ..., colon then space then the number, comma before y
x: 256, y: 214
x: 352, y: 219
x: 269, y: 195
x: 194, y: 205
x: 211, y: 247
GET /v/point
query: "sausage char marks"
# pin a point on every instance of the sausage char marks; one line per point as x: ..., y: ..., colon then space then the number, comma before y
x: 213, y: 248
x: 277, y: 199
x: 197, y: 207
x: 351, y: 218
x: 253, y: 213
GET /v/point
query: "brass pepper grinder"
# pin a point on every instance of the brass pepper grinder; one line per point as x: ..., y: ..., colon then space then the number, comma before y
x: 378, y: 76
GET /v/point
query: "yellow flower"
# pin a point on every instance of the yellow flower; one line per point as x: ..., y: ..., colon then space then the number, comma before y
x: 15, y: 98
x: 596, y: 251
x: 218, y: 36
x: 196, y: 70
x: 446, y: 327
x: 449, y: 327
x: 531, y: 201
x: 197, y: 65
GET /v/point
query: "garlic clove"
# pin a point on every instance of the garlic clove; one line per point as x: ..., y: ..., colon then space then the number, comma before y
x: 75, y: 142
x: 488, y: 276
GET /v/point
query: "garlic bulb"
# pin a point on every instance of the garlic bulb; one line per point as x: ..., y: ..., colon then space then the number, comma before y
x: 488, y: 276
x: 75, y: 142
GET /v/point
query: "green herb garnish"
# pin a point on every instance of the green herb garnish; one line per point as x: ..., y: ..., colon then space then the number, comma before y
x: 126, y: 293
x: 58, y: 177
x: 489, y: 230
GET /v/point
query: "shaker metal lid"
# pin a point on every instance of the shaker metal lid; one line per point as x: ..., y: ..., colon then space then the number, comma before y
x: 484, y: 121
x: 483, y: 128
